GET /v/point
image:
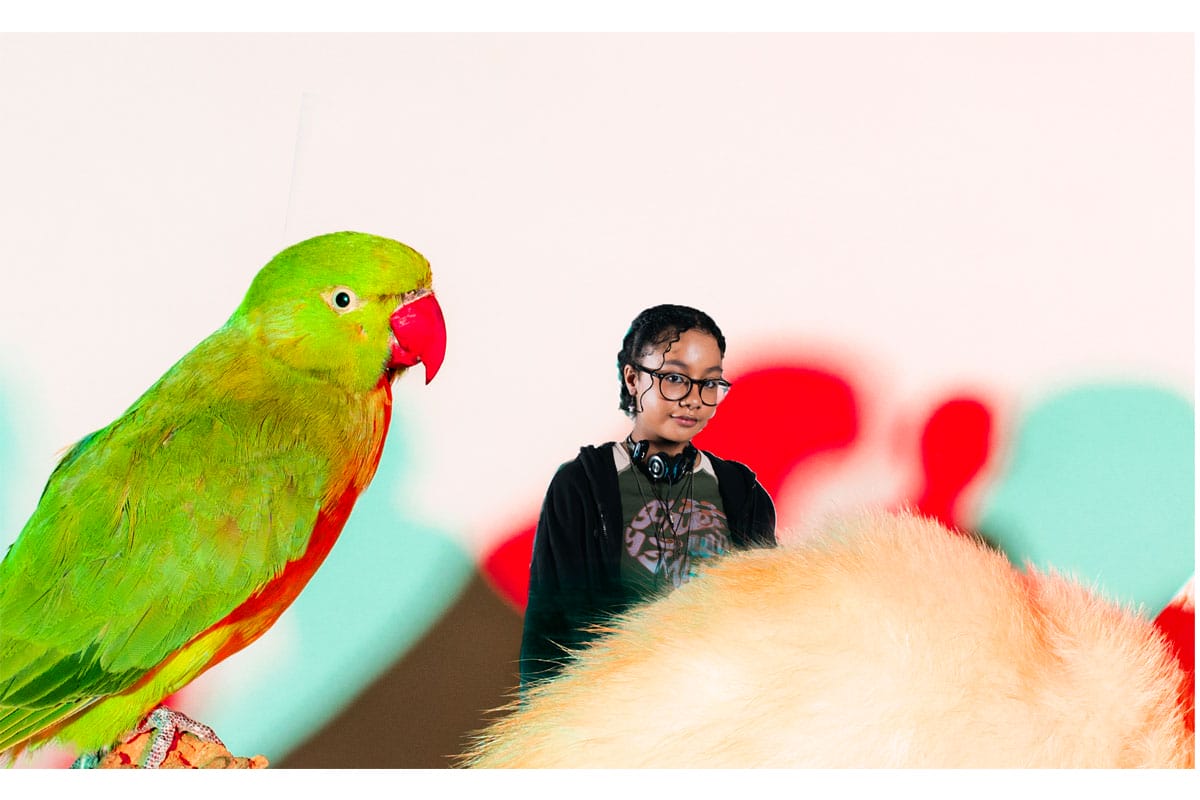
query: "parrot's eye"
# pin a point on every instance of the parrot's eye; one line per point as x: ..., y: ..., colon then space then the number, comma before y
x: 342, y: 299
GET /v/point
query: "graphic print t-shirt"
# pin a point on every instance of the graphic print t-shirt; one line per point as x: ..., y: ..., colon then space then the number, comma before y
x: 668, y: 528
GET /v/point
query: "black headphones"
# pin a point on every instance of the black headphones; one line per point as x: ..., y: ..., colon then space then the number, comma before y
x: 660, y: 466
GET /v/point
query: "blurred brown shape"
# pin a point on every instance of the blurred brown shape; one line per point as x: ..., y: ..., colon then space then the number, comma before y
x: 419, y: 713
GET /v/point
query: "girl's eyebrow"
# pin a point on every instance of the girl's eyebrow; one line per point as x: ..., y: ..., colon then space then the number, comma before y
x: 677, y: 363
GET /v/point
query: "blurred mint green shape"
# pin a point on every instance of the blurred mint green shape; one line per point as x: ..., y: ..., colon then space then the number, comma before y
x: 1100, y: 485
x: 15, y: 413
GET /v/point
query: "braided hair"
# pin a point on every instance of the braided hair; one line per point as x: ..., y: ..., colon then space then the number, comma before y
x: 652, y: 328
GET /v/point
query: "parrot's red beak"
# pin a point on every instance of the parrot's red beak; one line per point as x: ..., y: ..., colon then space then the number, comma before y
x: 420, y: 332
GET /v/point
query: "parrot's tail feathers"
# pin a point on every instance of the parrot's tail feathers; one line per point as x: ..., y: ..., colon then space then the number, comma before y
x: 18, y: 727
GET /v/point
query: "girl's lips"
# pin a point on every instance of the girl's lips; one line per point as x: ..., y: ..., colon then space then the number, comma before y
x: 686, y: 422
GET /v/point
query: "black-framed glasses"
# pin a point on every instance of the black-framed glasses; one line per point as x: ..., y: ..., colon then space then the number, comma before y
x: 676, y: 386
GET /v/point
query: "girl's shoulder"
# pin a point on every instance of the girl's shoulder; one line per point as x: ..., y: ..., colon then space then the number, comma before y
x: 727, y: 466
x: 589, y: 454
x: 589, y: 462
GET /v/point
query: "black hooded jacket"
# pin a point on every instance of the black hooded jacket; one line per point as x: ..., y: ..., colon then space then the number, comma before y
x: 575, y: 571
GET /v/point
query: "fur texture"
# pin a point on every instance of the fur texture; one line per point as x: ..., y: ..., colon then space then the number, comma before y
x: 889, y: 642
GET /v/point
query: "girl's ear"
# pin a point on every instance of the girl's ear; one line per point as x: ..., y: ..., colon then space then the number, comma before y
x: 630, y: 378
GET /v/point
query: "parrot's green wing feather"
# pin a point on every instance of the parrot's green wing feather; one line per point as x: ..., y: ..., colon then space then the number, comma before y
x: 18, y: 724
x: 149, y: 532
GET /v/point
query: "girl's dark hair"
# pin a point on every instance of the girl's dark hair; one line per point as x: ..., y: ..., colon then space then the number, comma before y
x: 651, y: 329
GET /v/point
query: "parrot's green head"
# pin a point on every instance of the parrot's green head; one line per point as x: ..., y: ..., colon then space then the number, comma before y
x: 348, y: 308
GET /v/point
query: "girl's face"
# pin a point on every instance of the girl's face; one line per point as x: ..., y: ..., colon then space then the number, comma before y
x: 668, y: 425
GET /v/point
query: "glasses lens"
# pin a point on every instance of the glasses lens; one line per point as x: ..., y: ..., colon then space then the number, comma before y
x: 713, y: 392
x: 674, y: 386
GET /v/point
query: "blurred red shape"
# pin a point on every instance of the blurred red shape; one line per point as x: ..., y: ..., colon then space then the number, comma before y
x: 1178, y: 624
x: 507, y: 566
x: 955, y: 445
x: 776, y: 417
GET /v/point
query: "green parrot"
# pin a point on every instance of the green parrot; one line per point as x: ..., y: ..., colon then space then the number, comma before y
x: 177, y: 535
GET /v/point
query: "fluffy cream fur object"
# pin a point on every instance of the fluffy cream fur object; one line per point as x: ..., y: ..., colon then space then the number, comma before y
x: 890, y: 642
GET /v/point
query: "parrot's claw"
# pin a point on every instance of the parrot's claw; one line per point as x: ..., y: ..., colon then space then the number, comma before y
x: 167, y: 724
x: 90, y: 760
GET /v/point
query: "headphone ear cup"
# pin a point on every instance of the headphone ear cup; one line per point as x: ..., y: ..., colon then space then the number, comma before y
x: 679, y: 467
x: 683, y: 463
x: 675, y: 470
x: 672, y: 469
x: 658, y: 468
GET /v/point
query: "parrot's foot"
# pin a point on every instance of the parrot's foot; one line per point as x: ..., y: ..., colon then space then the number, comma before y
x: 167, y: 724
x: 90, y: 760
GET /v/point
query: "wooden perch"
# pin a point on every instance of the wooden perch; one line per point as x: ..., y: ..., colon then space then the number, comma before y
x: 188, y: 752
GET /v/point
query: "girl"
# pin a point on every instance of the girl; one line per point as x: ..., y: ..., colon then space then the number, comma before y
x: 629, y: 520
